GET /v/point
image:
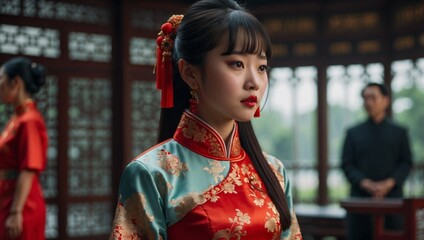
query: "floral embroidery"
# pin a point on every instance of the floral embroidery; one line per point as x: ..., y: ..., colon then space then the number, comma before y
x: 241, y: 218
x: 171, y: 163
x: 226, y: 186
x: 184, y: 204
x: 276, y: 166
x: 229, y: 187
x: 235, y: 176
x: 215, y: 169
x: 271, y: 223
x: 251, y: 177
x: 238, y: 187
x: 132, y: 221
x: 236, y: 146
x: 213, y: 195
x: 245, y: 169
x: 120, y: 233
x: 294, y: 228
x: 236, y: 230
x: 257, y: 201
x: 272, y: 207
x: 192, y: 130
x: 255, y: 185
x: 215, y: 149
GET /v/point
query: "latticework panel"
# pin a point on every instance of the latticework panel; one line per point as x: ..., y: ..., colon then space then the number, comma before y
x: 88, y: 219
x: 47, y: 103
x: 56, y: 10
x: 31, y: 41
x: 142, y: 51
x: 52, y: 228
x: 145, y: 100
x: 89, y: 47
x: 89, y: 150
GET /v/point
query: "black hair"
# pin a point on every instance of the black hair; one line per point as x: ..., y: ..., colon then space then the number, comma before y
x: 33, y: 74
x: 381, y: 87
x: 204, y: 25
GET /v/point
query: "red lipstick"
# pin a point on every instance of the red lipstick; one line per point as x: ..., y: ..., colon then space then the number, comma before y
x: 250, y: 101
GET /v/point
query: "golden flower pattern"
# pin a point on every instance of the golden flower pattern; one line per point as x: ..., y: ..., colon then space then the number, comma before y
x: 271, y: 223
x: 236, y: 177
x: 185, y: 204
x: 276, y: 167
x: 237, y: 227
x: 226, y: 186
x: 236, y: 146
x: 215, y: 168
x: 191, y: 130
x: 132, y: 221
x: 295, y: 233
x: 171, y: 163
x: 228, y: 181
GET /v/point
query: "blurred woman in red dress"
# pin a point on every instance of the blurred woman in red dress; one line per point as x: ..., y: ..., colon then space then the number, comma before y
x: 23, y: 147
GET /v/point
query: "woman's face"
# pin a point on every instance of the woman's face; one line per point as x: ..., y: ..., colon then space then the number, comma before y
x: 232, y: 86
x: 7, y: 90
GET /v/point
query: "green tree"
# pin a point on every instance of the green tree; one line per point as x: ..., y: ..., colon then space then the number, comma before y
x: 413, y: 118
x: 275, y: 136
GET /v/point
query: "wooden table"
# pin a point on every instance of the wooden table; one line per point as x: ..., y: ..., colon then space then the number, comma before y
x: 321, y: 221
x: 411, y: 209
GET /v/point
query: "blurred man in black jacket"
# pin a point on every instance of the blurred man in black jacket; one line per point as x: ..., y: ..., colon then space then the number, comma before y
x: 376, y: 160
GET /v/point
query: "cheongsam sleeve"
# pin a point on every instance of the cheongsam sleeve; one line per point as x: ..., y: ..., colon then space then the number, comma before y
x: 140, y: 212
x: 31, y: 149
x: 293, y: 233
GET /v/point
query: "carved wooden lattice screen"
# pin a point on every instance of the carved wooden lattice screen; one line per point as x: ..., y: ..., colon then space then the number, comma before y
x: 141, y: 24
x: 73, y: 39
x: 100, y: 57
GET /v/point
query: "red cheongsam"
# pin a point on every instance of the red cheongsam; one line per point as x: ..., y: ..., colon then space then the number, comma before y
x: 23, y: 145
x: 196, y: 186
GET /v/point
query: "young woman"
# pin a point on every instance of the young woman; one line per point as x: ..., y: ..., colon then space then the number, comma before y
x: 208, y: 178
x: 23, y: 146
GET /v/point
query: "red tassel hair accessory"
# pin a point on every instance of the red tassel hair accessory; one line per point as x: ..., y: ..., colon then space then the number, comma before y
x: 163, y: 68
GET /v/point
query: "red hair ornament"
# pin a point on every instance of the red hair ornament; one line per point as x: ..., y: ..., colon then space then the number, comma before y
x: 163, y: 68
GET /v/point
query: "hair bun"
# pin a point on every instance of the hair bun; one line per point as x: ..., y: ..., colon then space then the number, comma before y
x: 38, y: 74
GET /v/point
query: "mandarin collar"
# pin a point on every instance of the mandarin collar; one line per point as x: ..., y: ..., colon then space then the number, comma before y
x: 198, y: 136
x: 27, y: 105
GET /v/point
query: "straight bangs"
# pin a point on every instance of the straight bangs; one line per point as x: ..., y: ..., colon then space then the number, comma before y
x: 248, y: 33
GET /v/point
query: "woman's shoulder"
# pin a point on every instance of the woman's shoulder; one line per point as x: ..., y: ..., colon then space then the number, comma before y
x: 31, y: 116
x: 274, y: 162
x: 278, y: 168
x: 158, y: 157
x: 30, y: 120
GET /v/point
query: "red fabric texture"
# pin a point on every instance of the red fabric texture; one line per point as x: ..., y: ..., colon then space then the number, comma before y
x: 233, y: 215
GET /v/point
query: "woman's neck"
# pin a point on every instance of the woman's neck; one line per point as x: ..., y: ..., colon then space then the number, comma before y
x: 21, y: 99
